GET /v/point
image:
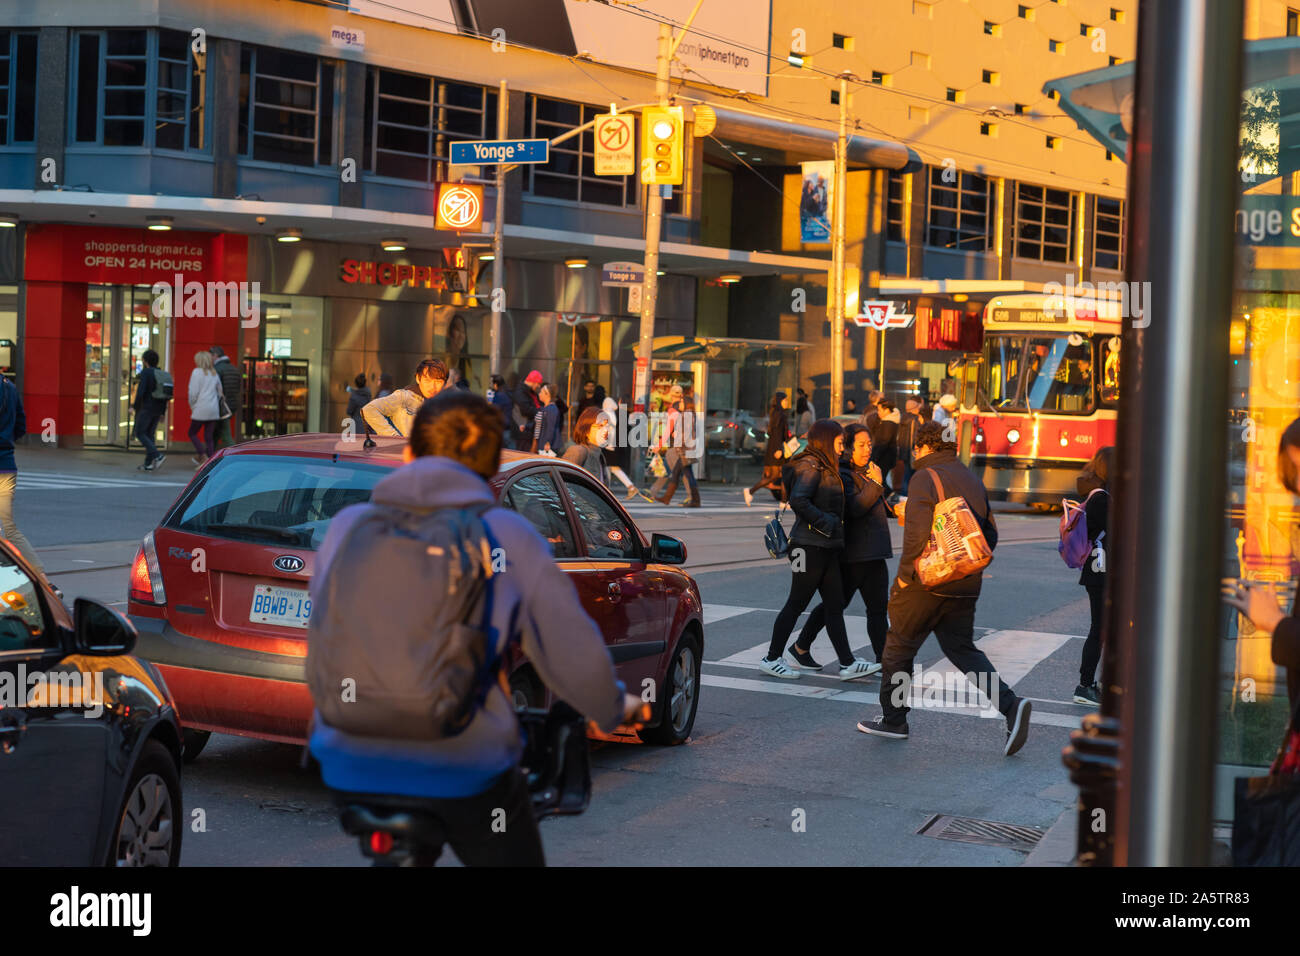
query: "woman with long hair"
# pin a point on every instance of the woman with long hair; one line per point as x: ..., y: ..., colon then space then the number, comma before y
x: 1258, y: 601
x: 589, y: 434
x: 816, y: 543
x: 1093, y: 485
x: 864, y: 564
x: 778, y: 433
x: 205, y: 406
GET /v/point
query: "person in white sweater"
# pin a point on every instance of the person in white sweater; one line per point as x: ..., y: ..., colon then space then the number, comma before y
x: 205, y: 406
x: 392, y: 414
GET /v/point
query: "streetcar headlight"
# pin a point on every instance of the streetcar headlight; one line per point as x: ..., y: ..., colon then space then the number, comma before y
x: 1065, y: 439
x: 1013, y: 435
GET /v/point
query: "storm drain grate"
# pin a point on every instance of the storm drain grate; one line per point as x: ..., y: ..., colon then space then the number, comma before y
x: 1013, y: 836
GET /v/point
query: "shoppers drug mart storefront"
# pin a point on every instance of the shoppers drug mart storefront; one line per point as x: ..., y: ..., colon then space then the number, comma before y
x: 95, y: 299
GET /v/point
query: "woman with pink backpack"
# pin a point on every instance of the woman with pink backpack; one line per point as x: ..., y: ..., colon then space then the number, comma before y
x: 1083, y: 545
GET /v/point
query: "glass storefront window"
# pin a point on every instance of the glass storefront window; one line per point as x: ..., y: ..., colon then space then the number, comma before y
x: 1263, y: 533
x: 8, y: 330
x: 293, y: 327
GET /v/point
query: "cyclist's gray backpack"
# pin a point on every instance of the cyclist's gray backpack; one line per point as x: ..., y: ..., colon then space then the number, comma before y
x: 391, y: 651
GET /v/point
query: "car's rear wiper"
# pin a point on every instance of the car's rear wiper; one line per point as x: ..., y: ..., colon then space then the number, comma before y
x: 280, y: 534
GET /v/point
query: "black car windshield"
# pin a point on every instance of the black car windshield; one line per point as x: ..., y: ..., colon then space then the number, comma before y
x: 275, y: 499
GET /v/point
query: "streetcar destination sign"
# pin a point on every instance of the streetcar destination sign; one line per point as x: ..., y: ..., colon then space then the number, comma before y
x: 500, y: 151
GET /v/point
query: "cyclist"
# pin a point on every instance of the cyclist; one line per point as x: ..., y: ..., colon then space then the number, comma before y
x: 472, y: 783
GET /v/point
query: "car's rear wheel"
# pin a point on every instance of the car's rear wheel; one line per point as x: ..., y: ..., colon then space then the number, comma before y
x: 525, y: 689
x: 149, y: 821
x: 681, y: 695
x: 193, y: 744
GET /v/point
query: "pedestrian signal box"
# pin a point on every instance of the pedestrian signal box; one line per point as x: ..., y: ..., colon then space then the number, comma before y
x: 662, y: 145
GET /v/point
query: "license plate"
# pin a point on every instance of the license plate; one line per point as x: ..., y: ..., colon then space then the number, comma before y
x: 287, y: 607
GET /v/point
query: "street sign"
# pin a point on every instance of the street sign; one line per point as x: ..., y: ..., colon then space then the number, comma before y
x: 460, y: 207
x: 881, y: 315
x: 634, y: 299
x: 615, y: 146
x: 500, y: 151
x: 622, y: 273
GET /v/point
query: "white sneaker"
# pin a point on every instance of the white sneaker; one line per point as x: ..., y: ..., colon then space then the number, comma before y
x: 859, y: 668
x: 749, y: 497
x: 778, y: 668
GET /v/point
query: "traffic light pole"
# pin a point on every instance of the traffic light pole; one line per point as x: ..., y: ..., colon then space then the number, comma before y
x: 650, y: 281
x: 498, y: 244
x: 837, y: 254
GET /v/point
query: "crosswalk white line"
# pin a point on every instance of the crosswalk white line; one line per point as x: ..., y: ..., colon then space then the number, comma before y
x: 1013, y: 653
x: 867, y: 697
x: 720, y: 612
x: 38, y: 481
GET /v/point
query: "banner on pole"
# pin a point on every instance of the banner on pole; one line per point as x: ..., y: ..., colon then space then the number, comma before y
x: 816, y: 199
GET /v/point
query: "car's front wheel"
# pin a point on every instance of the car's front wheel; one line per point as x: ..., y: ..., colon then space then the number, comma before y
x: 149, y: 824
x: 681, y: 695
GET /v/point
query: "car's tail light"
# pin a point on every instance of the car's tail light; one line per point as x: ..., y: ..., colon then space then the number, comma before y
x: 146, y: 576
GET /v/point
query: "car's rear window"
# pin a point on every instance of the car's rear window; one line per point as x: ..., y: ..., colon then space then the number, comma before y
x: 275, y: 499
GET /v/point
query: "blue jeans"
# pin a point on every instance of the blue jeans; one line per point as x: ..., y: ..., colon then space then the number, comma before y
x: 146, y: 425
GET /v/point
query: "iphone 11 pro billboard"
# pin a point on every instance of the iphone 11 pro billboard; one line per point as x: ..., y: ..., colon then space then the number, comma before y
x: 727, y: 46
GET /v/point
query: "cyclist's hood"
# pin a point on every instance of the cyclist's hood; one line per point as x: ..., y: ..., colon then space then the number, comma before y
x: 433, y: 482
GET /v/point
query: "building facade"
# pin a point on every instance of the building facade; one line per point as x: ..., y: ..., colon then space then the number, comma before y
x: 297, y: 147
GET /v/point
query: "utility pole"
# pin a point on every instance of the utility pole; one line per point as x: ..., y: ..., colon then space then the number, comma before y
x: 498, y: 243
x: 650, y: 282
x: 837, y: 252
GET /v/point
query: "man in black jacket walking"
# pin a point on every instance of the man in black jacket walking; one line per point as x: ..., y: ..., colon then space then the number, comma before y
x: 232, y: 386
x: 947, y: 609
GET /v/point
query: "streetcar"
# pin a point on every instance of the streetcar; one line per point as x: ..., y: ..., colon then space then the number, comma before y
x: 1042, y: 397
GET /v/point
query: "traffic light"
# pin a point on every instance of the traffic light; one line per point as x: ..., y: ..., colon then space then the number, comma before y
x: 662, y: 135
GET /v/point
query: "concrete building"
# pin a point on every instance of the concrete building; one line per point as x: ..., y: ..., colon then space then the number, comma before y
x: 241, y: 123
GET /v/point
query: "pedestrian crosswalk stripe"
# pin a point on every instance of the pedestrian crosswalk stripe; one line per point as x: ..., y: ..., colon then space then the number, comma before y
x: 1013, y: 653
x: 720, y: 612
x: 48, y: 480
x: 792, y: 689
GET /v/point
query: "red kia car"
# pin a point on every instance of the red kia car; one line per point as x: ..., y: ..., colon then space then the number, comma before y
x: 218, y: 591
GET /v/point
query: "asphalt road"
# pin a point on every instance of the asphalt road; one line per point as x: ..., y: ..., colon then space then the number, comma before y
x: 775, y: 772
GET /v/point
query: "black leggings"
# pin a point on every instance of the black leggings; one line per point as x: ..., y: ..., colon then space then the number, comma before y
x: 1092, y: 646
x: 820, y: 575
x: 871, y: 580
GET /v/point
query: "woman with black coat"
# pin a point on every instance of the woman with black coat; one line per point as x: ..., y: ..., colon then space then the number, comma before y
x: 864, y: 565
x: 778, y: 433
x: 1093, y: 485
x: 816, y: 542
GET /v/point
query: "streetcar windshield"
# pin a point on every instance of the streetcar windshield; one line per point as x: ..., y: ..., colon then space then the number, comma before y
x: 1048, y: 373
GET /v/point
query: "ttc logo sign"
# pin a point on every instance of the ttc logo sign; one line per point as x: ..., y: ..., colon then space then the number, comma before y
x: 880, y: 315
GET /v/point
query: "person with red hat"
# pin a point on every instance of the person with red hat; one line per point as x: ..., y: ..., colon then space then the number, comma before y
x: 527, y: 405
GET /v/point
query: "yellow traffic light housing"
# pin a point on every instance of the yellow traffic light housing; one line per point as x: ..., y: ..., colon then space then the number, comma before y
x: 662, y: 145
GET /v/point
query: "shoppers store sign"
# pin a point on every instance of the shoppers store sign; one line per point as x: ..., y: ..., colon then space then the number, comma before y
x: 364, y: 272
x: 114, y: 256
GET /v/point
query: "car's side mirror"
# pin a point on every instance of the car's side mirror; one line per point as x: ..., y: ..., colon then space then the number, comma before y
x: 100, y: 631
x: 666, y: 549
